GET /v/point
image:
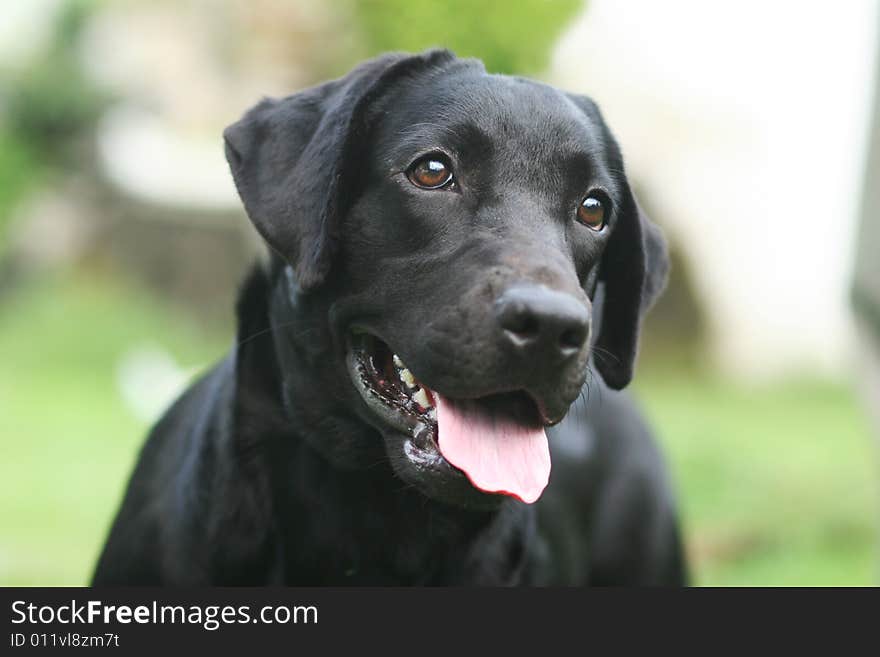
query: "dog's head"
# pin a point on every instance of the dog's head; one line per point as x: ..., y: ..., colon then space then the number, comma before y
x: 444, y: 233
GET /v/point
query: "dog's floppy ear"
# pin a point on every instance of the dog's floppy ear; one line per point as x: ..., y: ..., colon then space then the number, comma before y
x: 291, y: 159
x: 632, y: 272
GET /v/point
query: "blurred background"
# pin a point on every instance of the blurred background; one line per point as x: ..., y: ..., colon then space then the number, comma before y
x: 750, y: 130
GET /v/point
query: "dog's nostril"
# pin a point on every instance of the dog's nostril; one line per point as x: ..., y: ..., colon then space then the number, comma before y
x: 573, y: 338
x: 523, y: 325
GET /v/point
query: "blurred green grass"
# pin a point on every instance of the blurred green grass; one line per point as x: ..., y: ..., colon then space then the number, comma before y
x: 68, y: 441
x: 777, y: 484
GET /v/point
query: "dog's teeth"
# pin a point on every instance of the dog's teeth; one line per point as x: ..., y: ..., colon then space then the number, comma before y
x: 432, y: 414
x: 421, y: 398
x: 407, y: 377
x: 398, y: 362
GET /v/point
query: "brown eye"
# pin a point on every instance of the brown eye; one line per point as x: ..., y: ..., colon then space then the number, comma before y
x: 431, y: 172
x: 591, y: 213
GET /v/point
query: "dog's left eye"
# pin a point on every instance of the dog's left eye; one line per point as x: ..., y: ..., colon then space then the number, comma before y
x: 431, y: 172
x: 591, y: 212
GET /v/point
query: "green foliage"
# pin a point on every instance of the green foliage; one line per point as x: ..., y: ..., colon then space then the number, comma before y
x: 52, y: 103
x: 19, y: 172
x: 510, y: 37
x: 46, y: 109
x: 50, y: 106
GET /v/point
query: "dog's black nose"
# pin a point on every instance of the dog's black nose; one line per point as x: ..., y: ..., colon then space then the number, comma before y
x: 542, y: 323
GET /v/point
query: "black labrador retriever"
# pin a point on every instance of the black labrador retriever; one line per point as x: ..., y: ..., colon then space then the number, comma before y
x: 414, y: 356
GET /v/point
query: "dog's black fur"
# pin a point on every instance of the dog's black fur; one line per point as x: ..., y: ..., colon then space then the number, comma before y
x: 272, y: 469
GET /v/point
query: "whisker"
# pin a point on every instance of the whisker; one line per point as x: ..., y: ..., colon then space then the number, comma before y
x: 277, y: 326
x: 599, y: 351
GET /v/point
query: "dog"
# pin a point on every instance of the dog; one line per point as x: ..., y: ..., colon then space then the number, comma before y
x: 424, y: 386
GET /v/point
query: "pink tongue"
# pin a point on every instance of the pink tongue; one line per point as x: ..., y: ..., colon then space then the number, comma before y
x: 496, y: 454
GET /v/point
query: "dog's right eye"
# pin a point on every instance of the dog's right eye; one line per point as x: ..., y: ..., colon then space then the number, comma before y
x: 591, y: 213
x: 431, y: 172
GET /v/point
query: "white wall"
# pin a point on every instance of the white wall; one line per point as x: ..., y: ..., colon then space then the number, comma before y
x: 745, y: 122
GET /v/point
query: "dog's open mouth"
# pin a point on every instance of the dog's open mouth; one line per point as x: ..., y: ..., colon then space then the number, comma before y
x: 497, y: 441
